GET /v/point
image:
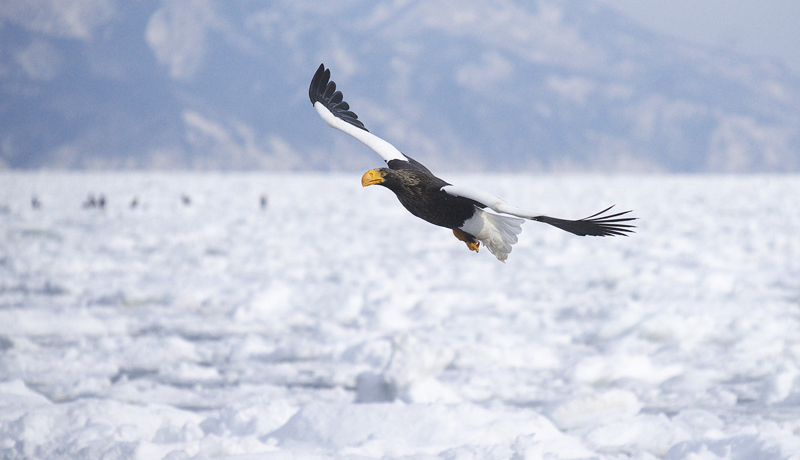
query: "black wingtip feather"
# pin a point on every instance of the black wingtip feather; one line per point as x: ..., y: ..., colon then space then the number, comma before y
x: 323, y: 90
x: 594, y: 225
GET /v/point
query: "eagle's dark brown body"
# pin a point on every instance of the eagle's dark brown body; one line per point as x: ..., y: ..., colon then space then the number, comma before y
x: 420, y: 193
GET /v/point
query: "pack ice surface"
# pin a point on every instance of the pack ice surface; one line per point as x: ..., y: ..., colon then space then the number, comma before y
x: 333, y: 324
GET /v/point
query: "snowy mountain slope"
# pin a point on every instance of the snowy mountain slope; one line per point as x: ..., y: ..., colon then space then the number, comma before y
x: 468, y: 85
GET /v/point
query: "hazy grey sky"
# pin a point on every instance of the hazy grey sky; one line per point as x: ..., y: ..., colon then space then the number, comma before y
x: 757, y: 28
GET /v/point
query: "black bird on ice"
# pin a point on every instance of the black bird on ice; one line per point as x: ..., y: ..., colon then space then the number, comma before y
x: 474, y: 216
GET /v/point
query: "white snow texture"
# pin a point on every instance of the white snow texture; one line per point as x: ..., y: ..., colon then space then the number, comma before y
x: 335, y: 325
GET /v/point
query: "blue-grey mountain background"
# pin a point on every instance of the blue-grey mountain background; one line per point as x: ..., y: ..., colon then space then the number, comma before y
x: 460, y: 85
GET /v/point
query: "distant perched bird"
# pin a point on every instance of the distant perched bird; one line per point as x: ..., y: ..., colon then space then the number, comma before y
x: 90, y: 202
x: 263, y: 201
x: 474, y: 216
x: 134, y: 202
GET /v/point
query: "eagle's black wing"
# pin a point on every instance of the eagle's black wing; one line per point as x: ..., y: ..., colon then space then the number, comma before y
x: 331, y: 106
x: 594, y: 225
x: 323, y: 90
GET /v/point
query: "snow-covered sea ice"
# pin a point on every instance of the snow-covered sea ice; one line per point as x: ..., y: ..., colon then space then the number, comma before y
x: 332, y: 324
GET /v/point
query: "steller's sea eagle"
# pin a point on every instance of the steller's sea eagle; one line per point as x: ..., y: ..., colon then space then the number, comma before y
x: 474, y: 216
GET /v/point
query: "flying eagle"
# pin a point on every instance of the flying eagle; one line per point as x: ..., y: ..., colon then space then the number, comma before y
x: 474, y: 216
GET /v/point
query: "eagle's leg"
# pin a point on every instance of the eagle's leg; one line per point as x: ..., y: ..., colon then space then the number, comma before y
x: 472, y: 243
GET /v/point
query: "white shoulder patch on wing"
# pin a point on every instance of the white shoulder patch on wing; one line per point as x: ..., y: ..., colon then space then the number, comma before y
x: 488, y: 200
x: 386, y: 150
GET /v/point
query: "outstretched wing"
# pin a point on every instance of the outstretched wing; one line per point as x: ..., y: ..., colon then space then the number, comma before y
x: 323, y: 90
x: 330, y: 105
x: 600, y: 224
x: 594, y: 225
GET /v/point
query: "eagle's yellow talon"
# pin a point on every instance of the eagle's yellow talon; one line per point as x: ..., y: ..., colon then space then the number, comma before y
x: 472, y: 245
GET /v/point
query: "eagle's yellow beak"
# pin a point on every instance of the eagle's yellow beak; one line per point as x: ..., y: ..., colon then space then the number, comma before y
x: 371, y: 177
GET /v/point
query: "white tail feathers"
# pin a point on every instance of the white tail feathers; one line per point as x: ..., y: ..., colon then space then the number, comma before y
x: 496, y: 231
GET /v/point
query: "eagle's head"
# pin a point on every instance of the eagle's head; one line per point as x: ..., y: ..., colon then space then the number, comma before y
x: 375, y: 176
